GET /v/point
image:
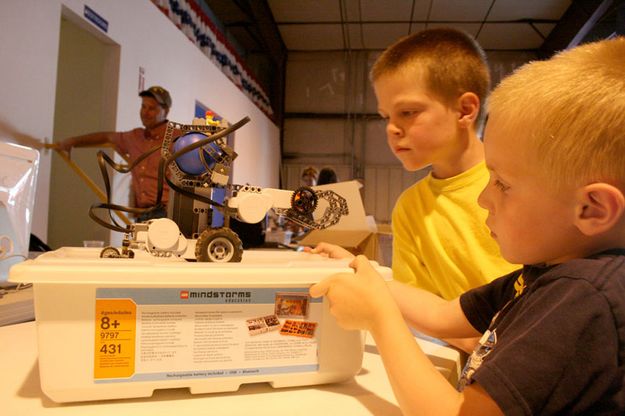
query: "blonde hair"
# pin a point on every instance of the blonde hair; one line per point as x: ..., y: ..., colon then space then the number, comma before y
x: 451, y: 61
x: 571, y: 110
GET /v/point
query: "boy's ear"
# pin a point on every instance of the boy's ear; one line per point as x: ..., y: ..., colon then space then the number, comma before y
x: 468, y: 108
x: 599, y: 207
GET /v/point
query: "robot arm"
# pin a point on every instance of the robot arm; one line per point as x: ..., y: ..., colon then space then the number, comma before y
x: 251, y: 204
x: 305, y: 206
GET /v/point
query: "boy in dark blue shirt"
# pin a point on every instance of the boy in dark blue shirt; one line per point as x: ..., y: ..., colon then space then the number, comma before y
x: 552, y: 334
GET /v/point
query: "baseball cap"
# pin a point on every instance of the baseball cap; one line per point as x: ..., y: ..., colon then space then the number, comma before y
x: 160, y: 94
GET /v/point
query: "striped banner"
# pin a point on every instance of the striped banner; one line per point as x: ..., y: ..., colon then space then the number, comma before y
x: 200, y: 30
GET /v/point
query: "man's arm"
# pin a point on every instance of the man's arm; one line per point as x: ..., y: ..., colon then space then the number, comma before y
x: 91, y: 139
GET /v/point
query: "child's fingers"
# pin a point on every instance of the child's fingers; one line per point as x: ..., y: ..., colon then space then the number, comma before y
x: 323, y: 287
x: 320, y: 289
x: 323, y: 248
x: 360, y: 262
x: 315, y: 250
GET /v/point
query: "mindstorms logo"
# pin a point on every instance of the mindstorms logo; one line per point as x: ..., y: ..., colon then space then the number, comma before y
x: 222, y: 295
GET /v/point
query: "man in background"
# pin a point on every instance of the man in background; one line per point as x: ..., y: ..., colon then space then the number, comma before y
x: 155, y: 105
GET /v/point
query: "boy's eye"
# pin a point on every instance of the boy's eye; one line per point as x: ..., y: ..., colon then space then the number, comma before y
x: 500, y: 185
x: 408, y: 113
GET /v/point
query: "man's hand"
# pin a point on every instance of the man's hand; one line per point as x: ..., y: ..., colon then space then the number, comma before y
x: 91, y: 139
x: 65, y: 146
x: 330, y: 250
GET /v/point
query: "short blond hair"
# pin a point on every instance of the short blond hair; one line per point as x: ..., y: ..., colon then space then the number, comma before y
x: 571, y: 110
x: 451, y: 62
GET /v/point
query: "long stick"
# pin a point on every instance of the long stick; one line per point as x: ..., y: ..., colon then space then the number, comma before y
x: 90, y: 183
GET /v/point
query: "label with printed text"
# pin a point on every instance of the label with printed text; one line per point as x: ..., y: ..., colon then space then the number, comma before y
x: 189, y: 333
x: 115, y: 334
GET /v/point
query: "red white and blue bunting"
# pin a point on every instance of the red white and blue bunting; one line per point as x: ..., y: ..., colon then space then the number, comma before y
x: 194, y: 23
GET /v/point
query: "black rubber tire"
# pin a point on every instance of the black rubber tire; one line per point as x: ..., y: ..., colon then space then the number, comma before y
x: 109, y: 253
x: 219, y: 245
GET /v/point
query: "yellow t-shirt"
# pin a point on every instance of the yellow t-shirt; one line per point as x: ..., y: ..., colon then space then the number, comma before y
x: 440, y: 239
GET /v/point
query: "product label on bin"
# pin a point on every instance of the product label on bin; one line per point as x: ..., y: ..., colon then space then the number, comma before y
x: 189, y: 333
x: 115, y: 338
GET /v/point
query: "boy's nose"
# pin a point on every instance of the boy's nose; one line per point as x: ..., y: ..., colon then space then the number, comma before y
x: 482, y: 199
x: 393, y: 130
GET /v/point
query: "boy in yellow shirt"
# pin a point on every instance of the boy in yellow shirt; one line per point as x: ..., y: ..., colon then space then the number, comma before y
x: 431, y: 88
x: 552, y: 334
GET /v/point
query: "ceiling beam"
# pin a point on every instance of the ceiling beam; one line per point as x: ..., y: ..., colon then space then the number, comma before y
x: 576, y: 22
x: 251, y: 24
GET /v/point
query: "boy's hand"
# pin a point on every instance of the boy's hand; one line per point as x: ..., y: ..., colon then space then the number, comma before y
x: 357, y: 300
x: 330, y: 250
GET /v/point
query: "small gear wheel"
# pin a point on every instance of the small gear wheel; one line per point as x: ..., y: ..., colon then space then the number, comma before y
x: 109, y: 253
x: 304, y: 200
x: 218, y: 245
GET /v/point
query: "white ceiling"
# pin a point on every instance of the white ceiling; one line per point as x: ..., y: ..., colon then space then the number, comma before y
x: 307, y: 25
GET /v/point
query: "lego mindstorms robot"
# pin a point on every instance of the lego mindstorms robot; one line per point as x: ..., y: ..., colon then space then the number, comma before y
x: 198, y: 161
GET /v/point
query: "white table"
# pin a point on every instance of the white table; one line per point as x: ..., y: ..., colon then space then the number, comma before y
x: 368, y: 393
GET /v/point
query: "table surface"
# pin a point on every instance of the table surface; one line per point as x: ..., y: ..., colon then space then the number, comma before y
x: 369, y: 392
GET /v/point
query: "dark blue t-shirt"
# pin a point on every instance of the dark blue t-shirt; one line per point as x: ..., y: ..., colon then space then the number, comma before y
x: 556, y: 344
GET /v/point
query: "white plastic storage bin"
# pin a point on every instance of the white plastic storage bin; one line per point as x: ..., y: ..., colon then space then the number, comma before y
x: 121, y: 328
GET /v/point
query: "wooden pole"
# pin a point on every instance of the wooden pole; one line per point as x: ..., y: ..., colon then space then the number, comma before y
x: 90, y: 183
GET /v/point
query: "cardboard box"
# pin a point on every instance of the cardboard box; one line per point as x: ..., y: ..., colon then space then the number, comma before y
x: 121, y: 328
x: 356, y: 231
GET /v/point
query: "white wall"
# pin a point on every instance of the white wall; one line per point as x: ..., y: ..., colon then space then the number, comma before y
x: 29, y: 37
x: 29, y: 41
